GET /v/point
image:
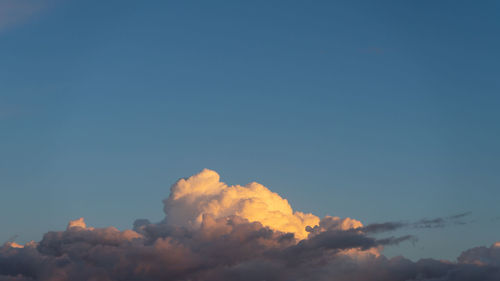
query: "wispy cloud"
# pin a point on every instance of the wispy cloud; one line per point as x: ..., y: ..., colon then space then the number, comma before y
x: 422, y: 223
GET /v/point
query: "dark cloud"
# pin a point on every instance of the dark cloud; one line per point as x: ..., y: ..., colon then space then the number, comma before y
x: 229, y: 249
x: 482, y: 255
x: 382, y: 227
x: 195, y: 242
x: 459, y: 216
x: 442, y: 222
x: 423, y: 223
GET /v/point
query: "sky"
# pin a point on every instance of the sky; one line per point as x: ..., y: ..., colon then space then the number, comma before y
x: 380, y: 111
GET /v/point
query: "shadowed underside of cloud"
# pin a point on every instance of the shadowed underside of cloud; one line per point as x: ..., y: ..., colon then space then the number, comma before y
x: 217, y: 232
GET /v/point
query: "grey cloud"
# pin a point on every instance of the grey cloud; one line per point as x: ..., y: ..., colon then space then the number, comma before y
x: 441, y: 222
x: 423, y: 223
x: 489, y: 256
x: 228, y: 249
x: 382, y: 227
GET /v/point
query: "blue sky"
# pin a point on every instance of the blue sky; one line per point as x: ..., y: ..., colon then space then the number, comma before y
x: 375, y: 110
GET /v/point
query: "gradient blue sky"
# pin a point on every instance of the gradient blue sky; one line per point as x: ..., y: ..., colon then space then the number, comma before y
x: 376, y: 110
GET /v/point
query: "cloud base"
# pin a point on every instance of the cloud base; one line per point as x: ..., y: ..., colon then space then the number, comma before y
x: 213, y: 231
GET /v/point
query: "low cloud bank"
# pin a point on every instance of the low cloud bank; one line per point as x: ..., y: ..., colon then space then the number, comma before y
x: 217, y: 232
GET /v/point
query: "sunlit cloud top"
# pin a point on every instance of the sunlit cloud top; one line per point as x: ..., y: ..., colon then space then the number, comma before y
x: 204, y: 194
x: 213, y: 231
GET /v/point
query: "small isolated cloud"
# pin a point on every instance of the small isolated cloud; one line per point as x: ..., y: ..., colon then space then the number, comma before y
x: 213, y: 231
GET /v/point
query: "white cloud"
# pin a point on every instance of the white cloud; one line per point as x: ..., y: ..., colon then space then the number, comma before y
x: 204, y: 194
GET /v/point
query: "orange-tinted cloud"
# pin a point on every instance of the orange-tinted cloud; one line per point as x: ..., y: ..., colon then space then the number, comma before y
x: 215, y: 232
x: 204, y: 193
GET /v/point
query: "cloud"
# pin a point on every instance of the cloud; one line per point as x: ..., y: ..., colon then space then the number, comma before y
x: 77, y: 223
x: 423, y: 223
x: 441, y: 222
x: 484, y: 256
x: 211, y: 232
x: 204, y: 193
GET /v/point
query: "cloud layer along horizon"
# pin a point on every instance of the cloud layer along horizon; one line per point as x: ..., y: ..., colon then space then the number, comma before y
x: 213, y: 231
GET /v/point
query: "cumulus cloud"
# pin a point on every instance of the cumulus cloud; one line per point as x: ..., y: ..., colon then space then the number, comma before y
x: 213, y: 231
x: 485, y: 256
x: 192, y: 198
